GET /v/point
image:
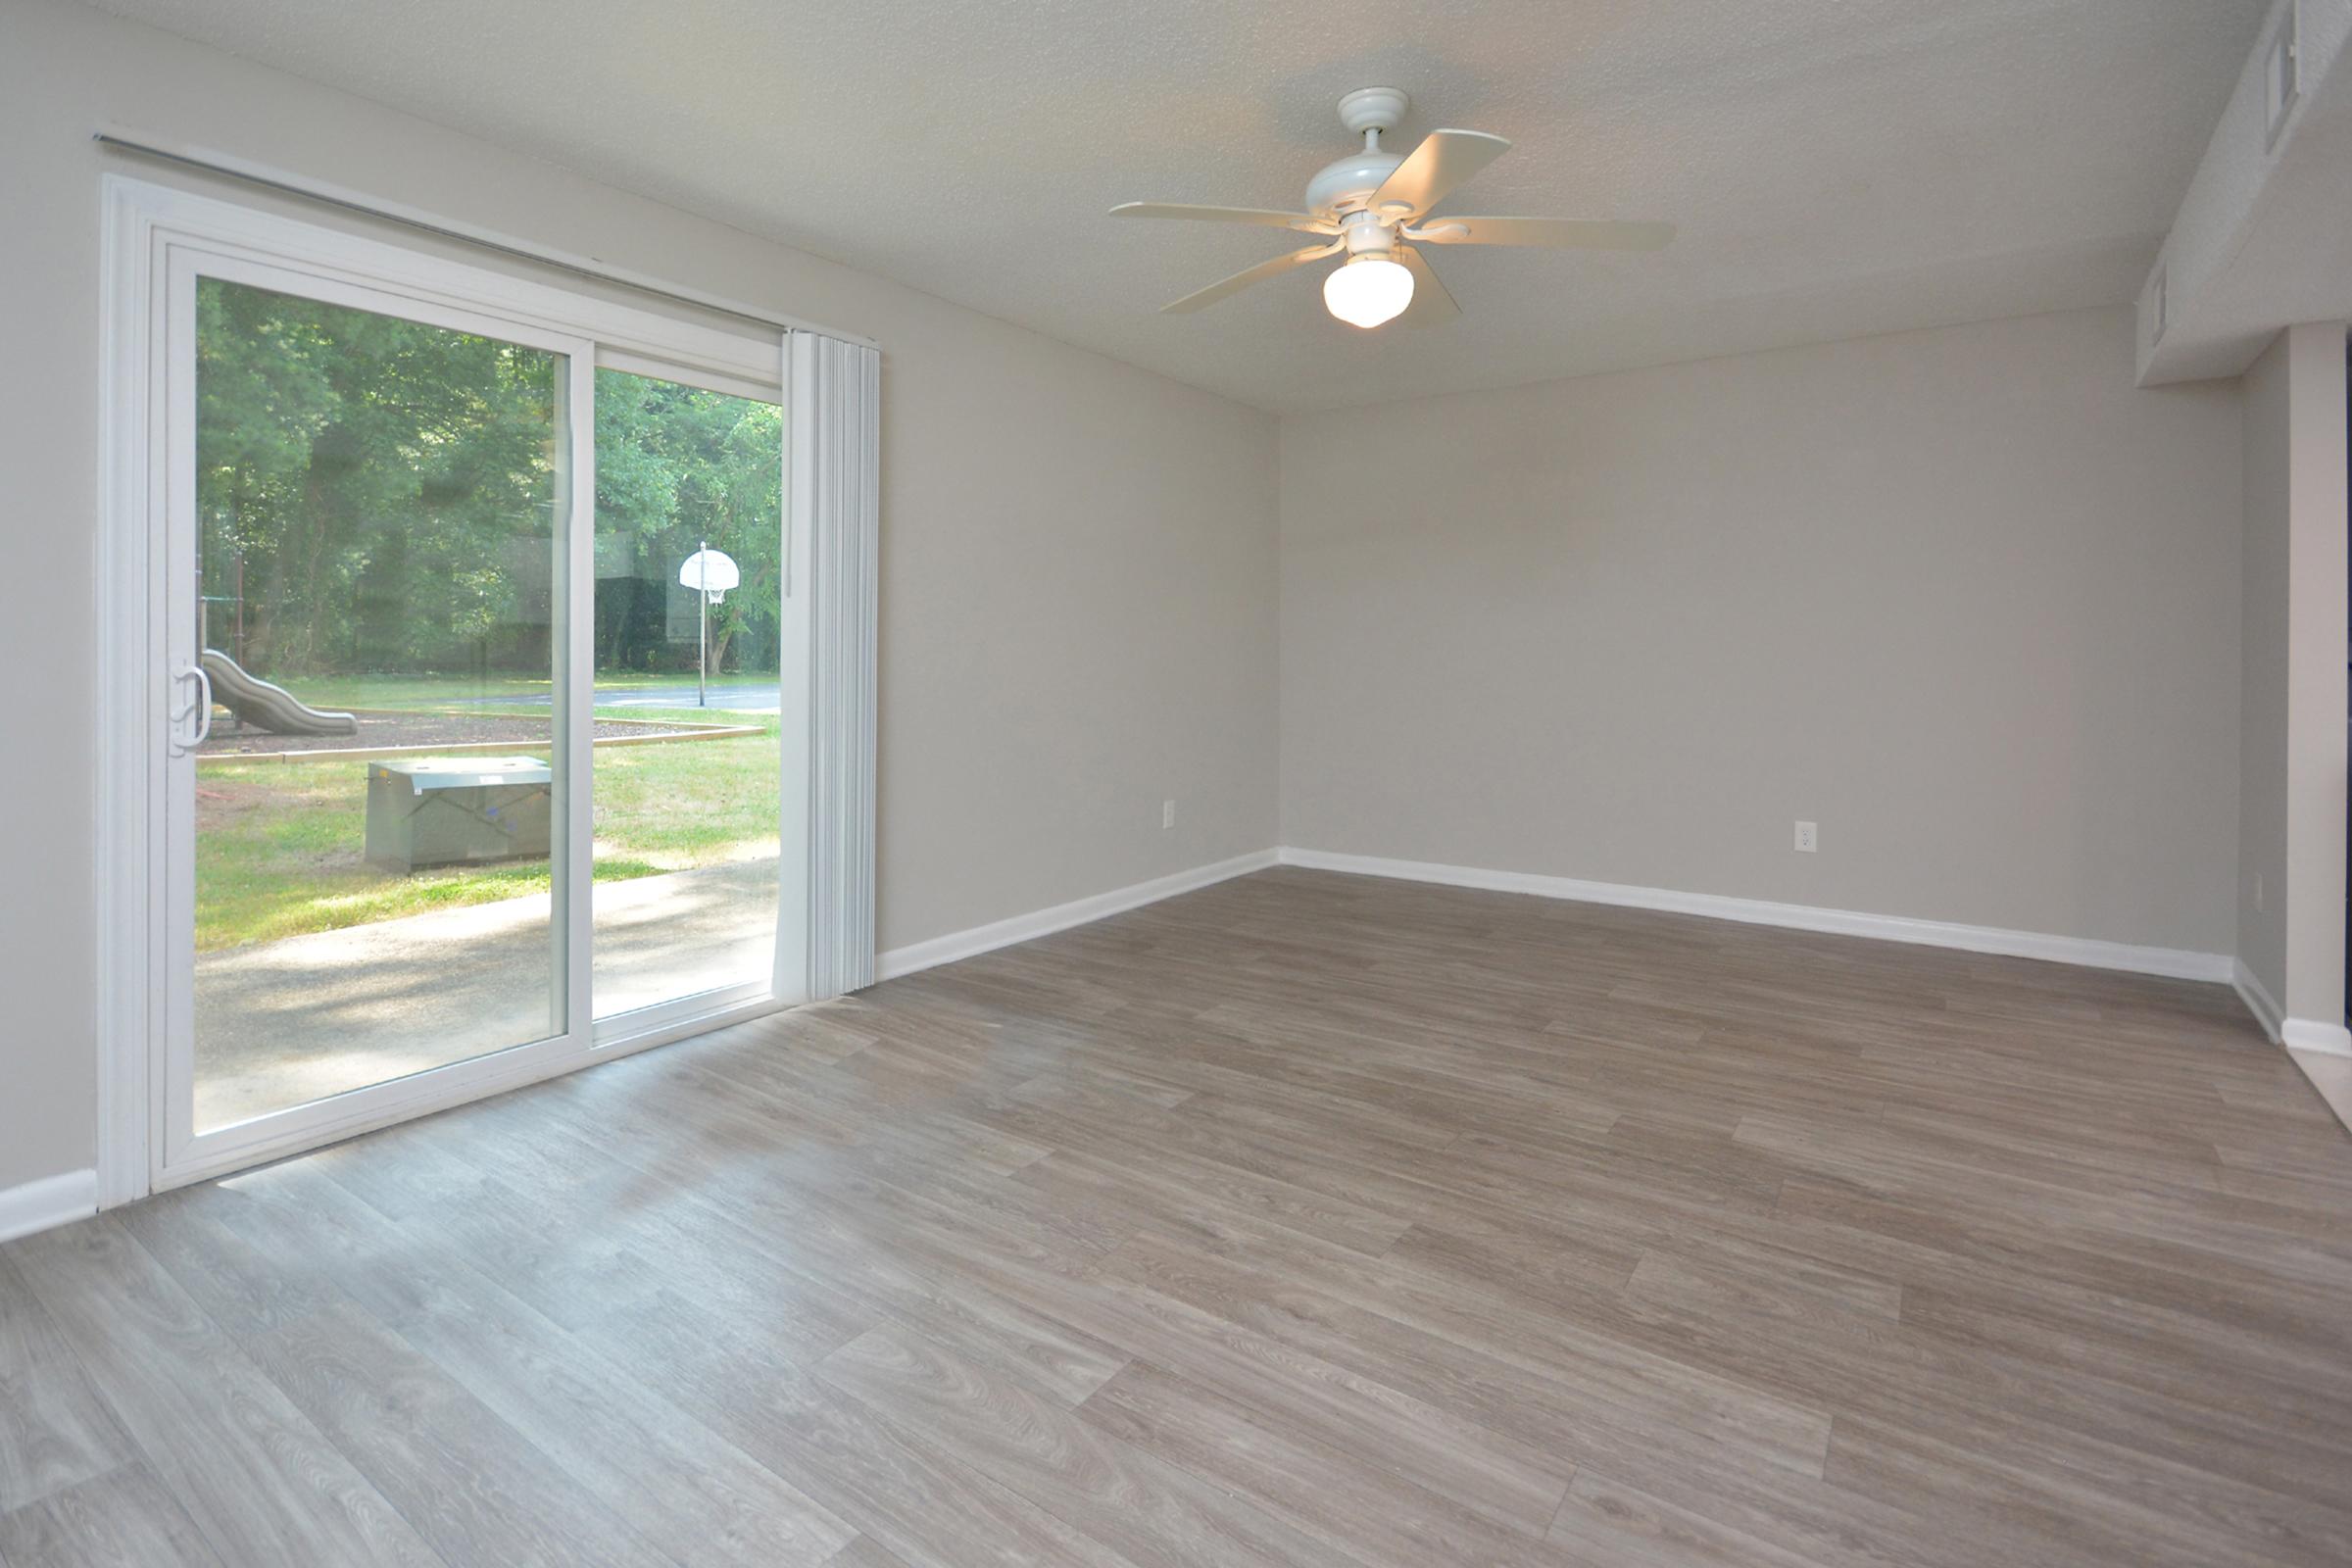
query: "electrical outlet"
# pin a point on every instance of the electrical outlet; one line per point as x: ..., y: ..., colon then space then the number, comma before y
x: 1808, y: 837
x: 1167, y: 815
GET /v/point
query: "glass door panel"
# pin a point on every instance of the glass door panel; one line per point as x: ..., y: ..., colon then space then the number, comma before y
x: 381, y: 514
x: 687, y: 767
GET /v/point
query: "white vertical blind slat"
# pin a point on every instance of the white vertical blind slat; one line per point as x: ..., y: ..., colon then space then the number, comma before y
x: 836, y: 415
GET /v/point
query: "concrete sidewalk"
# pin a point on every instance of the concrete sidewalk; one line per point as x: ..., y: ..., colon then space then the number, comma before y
x: 283, y: 1023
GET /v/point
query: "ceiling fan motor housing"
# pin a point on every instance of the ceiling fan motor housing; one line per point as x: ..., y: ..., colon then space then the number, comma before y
x: 1345, y: 184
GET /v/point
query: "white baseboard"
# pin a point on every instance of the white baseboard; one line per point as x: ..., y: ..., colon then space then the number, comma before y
x: 2177, y: 963
x: 51, y: 1200
x: 2259, y: 1001
x: 1062, y: 916
x: 2318, y: 1037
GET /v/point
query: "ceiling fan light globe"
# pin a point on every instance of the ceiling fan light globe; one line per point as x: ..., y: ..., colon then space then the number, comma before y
x: 1368, y: 290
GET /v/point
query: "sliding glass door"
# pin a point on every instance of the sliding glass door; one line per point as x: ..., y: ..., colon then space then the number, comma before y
x: 486, y: 673
x: 372, y: 769
x: 379, y: 571
x: 473, y: 633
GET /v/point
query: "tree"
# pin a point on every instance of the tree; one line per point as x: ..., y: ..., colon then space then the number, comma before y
x: 387, y: 485
x: 391, y: 490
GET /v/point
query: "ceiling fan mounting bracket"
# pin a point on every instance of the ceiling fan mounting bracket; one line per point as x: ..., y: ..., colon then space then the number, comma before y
x: 1373, y: 109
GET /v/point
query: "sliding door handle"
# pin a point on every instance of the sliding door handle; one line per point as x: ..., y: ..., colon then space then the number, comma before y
x: 201, y: 710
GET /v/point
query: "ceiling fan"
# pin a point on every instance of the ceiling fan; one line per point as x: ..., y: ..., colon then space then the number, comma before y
x: 1371, y: 203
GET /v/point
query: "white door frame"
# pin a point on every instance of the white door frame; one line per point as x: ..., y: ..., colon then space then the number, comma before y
x: 155, y: 233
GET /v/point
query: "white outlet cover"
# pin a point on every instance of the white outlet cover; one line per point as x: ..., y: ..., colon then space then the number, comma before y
x: 1808, y: 837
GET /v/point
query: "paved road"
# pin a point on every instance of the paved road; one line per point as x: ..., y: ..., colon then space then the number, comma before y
x: 734, y: 697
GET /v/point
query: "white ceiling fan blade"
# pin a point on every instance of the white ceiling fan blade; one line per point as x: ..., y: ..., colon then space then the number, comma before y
x: 1248, y: 275
x: 1226, y: 215
x: 1566, y: 232
x: 1442, y: 161
x: 1431, y: 303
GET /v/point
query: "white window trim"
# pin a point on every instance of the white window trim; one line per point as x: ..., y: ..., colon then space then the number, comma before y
x: 830, y: 527
x: 212, y: 162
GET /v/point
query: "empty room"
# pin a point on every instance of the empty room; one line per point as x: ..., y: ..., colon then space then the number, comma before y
x: 915, y: 785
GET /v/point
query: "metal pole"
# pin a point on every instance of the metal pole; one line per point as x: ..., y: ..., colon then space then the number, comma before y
x: 701, y: 667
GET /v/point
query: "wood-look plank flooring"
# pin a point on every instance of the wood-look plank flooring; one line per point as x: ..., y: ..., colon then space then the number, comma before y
x: 1302, y: 1220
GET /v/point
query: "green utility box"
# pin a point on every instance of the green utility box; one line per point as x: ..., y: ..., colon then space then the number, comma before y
x: 451, y: 811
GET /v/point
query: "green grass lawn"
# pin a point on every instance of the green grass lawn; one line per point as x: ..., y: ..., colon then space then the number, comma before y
x: 443, y: 691
x: 280, y: 846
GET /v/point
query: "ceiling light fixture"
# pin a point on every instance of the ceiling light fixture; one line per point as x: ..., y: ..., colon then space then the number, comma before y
x: 1367, y: 290
x: 1371, y: 202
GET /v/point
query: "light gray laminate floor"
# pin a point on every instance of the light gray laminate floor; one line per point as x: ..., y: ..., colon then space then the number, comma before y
x: 1306, y: 1219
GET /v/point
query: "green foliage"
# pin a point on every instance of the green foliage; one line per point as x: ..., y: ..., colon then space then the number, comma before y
x: 676, y: 466
x: 390, y: 491
x: 385, y: 484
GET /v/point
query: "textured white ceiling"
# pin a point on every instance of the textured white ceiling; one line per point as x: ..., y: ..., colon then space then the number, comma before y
x: 1836, y: 167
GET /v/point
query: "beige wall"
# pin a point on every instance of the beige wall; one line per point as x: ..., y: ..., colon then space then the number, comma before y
x: 2291, y: 754
x: 1966, y: 598
x: 1078, y: 575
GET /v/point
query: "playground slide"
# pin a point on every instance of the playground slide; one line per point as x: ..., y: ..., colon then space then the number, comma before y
x: 267, y: 707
